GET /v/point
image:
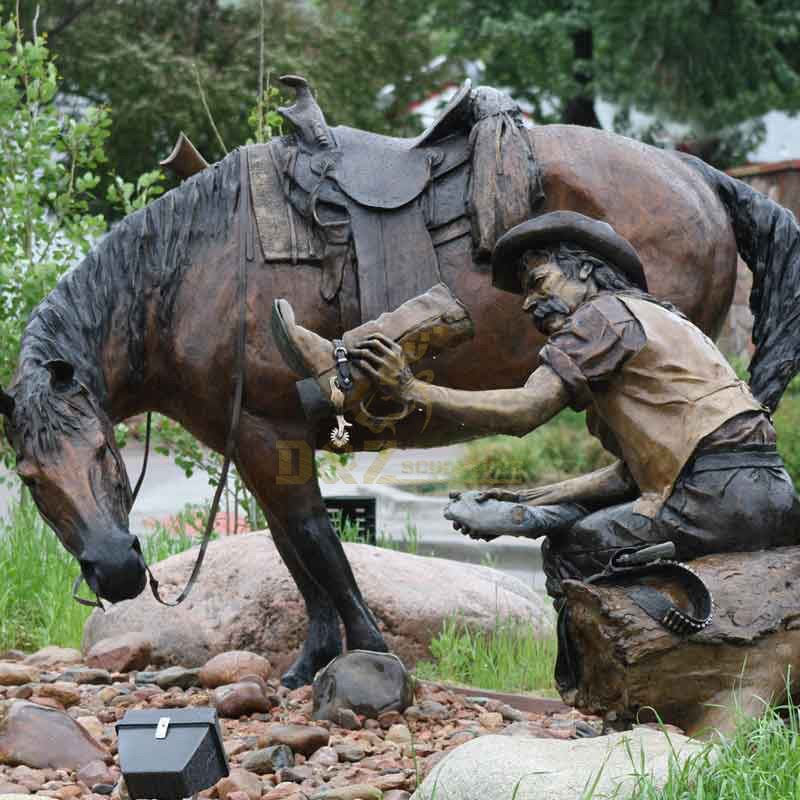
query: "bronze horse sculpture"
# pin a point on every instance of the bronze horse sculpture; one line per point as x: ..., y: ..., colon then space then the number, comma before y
x: 147, y: 322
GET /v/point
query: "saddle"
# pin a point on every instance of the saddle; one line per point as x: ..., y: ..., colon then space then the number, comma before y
x: 370, y: 208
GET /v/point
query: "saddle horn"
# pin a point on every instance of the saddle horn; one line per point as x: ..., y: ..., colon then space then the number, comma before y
x: 185, y: 159
x: 305, y: 114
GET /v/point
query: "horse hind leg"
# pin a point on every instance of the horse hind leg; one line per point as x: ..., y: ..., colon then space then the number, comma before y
x: 305, y: 538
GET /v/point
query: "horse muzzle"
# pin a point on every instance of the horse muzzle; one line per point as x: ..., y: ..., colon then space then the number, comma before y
x: 115, y: 570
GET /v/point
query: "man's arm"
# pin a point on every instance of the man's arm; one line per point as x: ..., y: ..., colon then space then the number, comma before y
x: 612, y: 484
x: 510, y: 411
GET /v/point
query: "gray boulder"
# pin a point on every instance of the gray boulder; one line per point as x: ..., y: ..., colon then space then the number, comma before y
x: 502, y: 767
x: 364, y: 682
x: 246, y: 600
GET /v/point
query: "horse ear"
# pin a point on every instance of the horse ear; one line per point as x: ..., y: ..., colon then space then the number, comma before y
x: 62, y: 373
x: 6, y: 404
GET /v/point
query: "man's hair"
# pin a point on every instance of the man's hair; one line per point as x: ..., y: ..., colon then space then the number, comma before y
x: 572, y: 259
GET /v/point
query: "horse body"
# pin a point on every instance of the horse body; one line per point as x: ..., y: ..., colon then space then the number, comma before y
x: 161, y: 337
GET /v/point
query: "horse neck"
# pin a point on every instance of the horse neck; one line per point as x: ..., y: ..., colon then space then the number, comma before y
x: 112, y: 315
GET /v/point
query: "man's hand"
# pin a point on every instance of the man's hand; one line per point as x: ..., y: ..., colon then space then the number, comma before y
x: 460, y: 523
x: 384, y: 361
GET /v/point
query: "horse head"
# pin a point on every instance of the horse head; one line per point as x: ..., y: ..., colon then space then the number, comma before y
x: 67, y: 456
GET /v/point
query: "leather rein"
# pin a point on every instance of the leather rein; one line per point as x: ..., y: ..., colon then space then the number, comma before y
x: 246, y: 253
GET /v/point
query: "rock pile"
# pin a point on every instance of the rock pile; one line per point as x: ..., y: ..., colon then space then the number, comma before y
x: 58, y: 740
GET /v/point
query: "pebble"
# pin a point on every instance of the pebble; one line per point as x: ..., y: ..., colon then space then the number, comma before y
x: 400, y: 734
x: 66, y: 694
x: 268, y: 759
x: 348, y: 719
x: 86, y: 676
x: 237, y: 699
x: 239, y: 780
x: 179, y: 677
x: 231, y: 667
x: 349, y: 752
x: 325, y: 757
x: 282, y: 791
x: 12, y: 674
x: 294, y: 774
x: 491, y: 719
x: 305, y: 739
x: 353, y: 792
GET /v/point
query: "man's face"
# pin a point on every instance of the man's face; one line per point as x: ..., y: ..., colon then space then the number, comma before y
x: 550, y: 297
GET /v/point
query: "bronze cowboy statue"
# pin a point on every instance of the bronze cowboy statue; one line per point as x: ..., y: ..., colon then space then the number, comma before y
x: 698, y: 469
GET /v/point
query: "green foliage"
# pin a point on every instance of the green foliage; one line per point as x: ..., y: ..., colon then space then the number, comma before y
x: 36, y: 605
x: 146, y: 58
x: 787, y: 427
x: 508, y: 658
x: 761, y: 759
x: 561, y: 449
x: 706, y: 64
x: 49, y: 163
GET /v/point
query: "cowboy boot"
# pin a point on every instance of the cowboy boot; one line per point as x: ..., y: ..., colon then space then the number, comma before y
x: 424, y: 325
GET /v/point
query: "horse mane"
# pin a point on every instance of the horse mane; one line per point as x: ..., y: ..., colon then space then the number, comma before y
x: 145, y: 254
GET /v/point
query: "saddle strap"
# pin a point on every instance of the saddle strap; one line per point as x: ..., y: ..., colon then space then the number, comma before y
x: 655, y: 603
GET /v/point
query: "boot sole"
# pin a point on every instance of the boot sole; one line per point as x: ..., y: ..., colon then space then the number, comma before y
x: 291, y: 355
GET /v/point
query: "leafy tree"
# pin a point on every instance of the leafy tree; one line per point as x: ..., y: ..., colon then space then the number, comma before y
x: 705, y: 63
x: 157, y: 62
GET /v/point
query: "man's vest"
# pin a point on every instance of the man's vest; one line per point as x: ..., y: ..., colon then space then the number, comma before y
x: 676, y: 390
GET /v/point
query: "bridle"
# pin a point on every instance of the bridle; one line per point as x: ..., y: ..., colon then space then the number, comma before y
x: 246, y: 253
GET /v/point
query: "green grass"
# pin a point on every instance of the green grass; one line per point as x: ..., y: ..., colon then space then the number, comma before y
x: 36, y: 605
x: 560, y: 449
x: 759, y: 761
x: 509, y: 658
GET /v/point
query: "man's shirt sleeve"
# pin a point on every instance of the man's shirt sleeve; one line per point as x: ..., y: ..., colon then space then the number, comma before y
x: 593, y: 344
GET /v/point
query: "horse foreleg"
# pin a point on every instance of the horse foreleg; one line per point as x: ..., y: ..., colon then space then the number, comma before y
x: 302, y: 531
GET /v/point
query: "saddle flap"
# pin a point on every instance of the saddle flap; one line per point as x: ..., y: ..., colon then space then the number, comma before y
x: 380, y: 171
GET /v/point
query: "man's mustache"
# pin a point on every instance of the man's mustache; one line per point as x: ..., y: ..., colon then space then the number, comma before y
x: 545, y: 308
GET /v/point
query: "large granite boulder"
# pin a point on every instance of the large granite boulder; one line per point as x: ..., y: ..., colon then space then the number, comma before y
x: 504, y: 767
x: 246, y: 600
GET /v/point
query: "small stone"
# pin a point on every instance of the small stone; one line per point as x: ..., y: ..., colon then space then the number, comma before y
x: 490, y: 719
x: 390, y: 781
x: 17, y: 674
x: 47, y: 702
x: 238, y: 699
x: 104, y: 789
x: 68, y: 792
x: 177, y: 676
x: 294, y: 774
x: 283, y: 791
x: 21, y: 692
x: 390, y: 718
x: 12, y: 655
x: 145, y: 678
x: 305, y: 739
x: 348, y: 719
x: 396, y: 794
x: 399, y: 734
x: 234, y: 747
x: 107, y: 694
x: 231, y: 667
x: 240, y: 780
x: 12, y: 788
x: 84, y: 676
x: 66, y: 694
x: 268, y: 759
x: 32, y: 779
x: 324, y: 757
x: 49, y: 657
x: 349, y: 752
x: 94, y: 773
x: 125, y: 653
x: 356, y: 791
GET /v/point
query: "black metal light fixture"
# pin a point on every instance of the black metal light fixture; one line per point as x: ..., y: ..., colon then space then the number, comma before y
x: 170, y: 754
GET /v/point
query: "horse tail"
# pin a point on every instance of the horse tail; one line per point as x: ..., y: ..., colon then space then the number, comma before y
x: 768, y: 240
